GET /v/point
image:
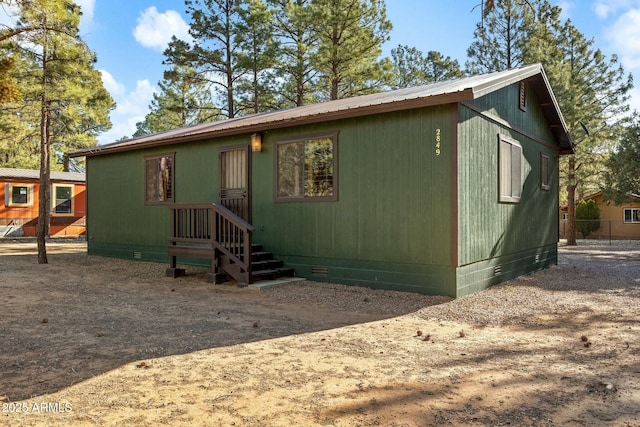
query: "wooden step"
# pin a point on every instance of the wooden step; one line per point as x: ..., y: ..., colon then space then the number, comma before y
x: 263, y: 265
x: 261, y: 256
x: 267, y: 264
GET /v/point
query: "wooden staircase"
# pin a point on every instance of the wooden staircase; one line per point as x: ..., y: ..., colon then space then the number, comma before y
x: 211, y: 231
x: 265, y: 267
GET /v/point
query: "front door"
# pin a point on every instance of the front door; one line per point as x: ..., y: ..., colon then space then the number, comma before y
x: 235, y: 187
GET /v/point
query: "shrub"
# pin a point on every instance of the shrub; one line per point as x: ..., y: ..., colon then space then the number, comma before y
x: 587, y: 217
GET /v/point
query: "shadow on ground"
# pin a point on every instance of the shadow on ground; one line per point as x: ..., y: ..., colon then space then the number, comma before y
x: 79, y: 316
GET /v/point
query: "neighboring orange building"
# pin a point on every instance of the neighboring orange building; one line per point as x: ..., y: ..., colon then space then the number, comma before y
x: 19, y: 197
x: 616, y: 221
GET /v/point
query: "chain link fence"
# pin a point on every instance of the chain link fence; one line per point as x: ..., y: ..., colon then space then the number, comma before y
x: 607, y: 229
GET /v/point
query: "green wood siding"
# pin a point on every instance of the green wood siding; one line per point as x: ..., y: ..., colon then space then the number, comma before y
x: 120, y: 223
x: 394, y: 200
x: 406, y: 217
x: 489, y: 229
x: 479, y: 275
x: 393, y: 207
x: 392, y: 189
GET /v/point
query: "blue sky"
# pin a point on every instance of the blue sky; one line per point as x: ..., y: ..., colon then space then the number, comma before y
x: 130, y: 35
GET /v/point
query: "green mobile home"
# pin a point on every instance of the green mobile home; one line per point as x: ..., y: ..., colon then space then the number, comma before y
x: 442, y: 189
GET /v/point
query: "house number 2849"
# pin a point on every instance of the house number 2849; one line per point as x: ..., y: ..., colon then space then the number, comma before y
x: 438, y: 142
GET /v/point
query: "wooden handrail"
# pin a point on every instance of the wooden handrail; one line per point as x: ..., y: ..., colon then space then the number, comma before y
x: 193, y: 225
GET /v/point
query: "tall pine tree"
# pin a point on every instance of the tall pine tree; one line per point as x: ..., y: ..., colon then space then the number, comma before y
x: 593, y: 93
x: 298, y: 43
x: 412, y: 68
x: 592, y: 90
x: 257, y: 56
x: 61, y: 87
x: 184, y: 100
x: 622, y: 173
x: 500, y: 37
x: 215, y: 51
x: 350, y: 38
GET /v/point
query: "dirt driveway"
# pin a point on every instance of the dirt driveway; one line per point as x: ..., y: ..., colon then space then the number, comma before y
x: 98, y: 341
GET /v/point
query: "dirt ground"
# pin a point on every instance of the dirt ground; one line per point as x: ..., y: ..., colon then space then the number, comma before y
x: 97, y: 341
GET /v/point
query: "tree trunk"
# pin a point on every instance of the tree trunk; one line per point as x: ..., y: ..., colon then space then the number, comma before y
x: 230, y: 100
x: 571, y: 202
x: 43, y: 193
x: 229, y: 71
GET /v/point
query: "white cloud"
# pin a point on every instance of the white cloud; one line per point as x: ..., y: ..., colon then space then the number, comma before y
x: 132, y: 107
x: 567, y: 7
x: 601, y: 10
x: 115, y: 88
x: 87, y: 7
x: 634, y: 102
x: 154, y: 29
x: 606, y: 8
x: 623, y: 35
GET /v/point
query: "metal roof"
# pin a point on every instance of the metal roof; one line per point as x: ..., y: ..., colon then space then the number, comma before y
x: 11, y: 173
x: 459, y: 90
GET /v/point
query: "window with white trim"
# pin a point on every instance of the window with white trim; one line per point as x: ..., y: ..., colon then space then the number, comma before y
x: 62, y: 199
x: 631, y: 215
x: 18, y: 194
x: 510, y: 174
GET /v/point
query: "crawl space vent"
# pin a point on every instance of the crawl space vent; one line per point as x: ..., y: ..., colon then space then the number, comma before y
x: 497, y: 270
x: 319, y: 271
x: 137, y: 255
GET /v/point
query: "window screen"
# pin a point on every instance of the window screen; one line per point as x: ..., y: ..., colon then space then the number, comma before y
x: 159, y: 179
x: 306, y: 169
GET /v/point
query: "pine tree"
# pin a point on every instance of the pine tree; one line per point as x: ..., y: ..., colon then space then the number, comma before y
x: 184, y: 100
x: 214, y: 53
x: 274, y: 54
x: 499, y: 38
x: 592, y: 90
x: 622, y: 172
x: 8, y: 85
x: 58, y: 79
x: 258, y: 56
x: 298, y: 43
x: 411, y: 68
x: 19, y: 144
x: 350, y: 38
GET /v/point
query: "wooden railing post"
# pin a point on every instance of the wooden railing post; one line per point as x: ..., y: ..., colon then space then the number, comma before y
x: 173, y: 270
x: 247, y: 255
